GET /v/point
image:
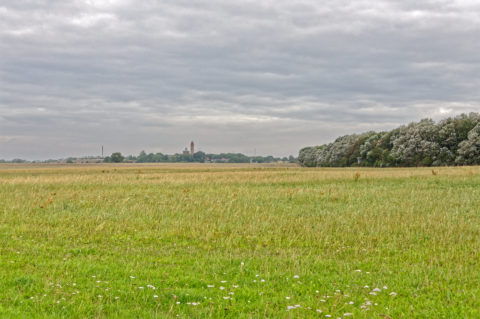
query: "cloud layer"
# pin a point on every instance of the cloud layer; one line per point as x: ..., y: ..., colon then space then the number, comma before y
x: 233, y: 76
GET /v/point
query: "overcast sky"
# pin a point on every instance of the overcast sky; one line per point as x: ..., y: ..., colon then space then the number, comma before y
x: 233, y: 76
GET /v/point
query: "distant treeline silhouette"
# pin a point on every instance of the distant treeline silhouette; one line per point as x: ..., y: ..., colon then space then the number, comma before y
x: 452, y: 141
x: 201, y: 157
x: 143, y: 157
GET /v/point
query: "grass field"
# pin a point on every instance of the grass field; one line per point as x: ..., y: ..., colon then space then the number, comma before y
x: 204, y: 241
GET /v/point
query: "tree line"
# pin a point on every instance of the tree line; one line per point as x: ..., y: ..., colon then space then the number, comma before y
x: 452, y: 141
x: 197, y: 157
x: 143, y: 157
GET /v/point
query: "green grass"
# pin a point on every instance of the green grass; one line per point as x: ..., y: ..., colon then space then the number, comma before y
x: 80, y: 242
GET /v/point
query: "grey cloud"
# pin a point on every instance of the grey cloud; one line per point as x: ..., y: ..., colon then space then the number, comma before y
x: 271, y: 75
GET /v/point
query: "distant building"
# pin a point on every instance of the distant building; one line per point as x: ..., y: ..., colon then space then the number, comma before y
x: 191, y: 151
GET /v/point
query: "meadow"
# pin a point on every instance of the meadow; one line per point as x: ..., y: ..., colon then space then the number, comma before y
x: 239, y: 241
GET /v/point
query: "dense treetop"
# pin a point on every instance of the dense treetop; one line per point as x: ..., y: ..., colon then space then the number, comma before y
x: 452, y: 141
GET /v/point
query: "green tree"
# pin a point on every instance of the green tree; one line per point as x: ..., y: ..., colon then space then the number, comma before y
x: 199, y: 157
x: 117, y: 157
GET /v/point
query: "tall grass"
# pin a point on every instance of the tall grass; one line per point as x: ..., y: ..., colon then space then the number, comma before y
x: 239, y: 241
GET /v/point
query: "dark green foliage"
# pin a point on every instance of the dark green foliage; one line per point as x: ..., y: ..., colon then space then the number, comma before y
x: 151, y: 158
x: 229, y: 158
x: 453, y: 141
x: 201, y: 157
x: 116, y: 157
x: 18, y: 161
x: 198, y: 157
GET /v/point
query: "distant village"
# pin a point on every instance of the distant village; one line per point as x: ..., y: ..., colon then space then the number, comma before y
x: 188, y: 155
